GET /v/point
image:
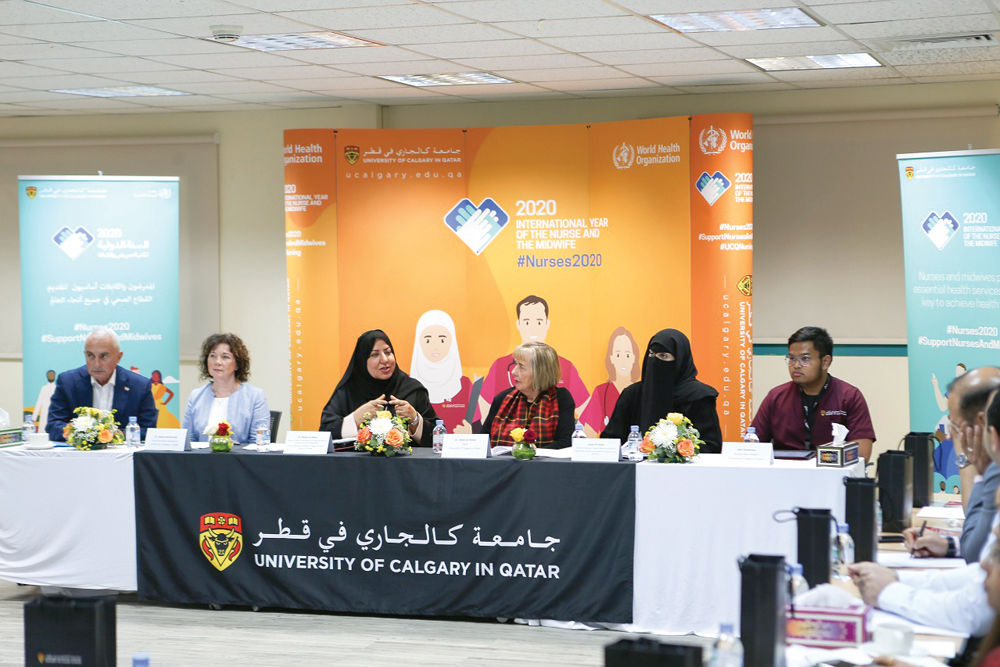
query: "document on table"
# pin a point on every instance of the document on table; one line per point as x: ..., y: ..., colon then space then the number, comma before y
x: 564, y: 453
x: 880, y: 616
x: 902, y: 559
x: 948, y: 513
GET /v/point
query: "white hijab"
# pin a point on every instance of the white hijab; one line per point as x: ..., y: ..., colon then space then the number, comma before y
x: 443, y: 379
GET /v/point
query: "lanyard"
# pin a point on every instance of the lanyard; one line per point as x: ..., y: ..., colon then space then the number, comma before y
x: 810, y: 415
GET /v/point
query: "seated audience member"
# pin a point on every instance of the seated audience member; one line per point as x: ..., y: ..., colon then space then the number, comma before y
x: 949, y: 599
x: 101, y: 383
x: 534, y: 402
x: 669, y: 384
x: 228, y: 397
x: 988, y: 653
x: 967, y: 396
x: 800, y: 414
x: 373, y: 382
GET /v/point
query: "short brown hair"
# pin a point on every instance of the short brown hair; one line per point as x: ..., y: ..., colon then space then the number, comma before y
x: 236, y: 346
x: 545, y: 370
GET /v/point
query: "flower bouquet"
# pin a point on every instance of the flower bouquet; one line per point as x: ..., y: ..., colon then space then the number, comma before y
x: 384, y: 434
x: 673, y: 439
x: 524, y: 444
x: 220, y: 437
x: 93, y: 429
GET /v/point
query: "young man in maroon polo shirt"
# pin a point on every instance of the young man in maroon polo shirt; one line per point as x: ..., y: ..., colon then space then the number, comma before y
x: 799, y: 414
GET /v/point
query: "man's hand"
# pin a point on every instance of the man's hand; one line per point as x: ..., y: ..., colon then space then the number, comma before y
x: 930, y: 545
x: 975, y: 448
x: 871, y: 579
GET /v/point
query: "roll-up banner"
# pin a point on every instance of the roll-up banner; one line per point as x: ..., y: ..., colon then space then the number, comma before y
x: 99, y: 251
x: 462, y: 243
x: 951, y: 232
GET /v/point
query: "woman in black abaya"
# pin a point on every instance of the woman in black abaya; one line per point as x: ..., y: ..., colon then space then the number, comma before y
x: 373, y: 382
x: 669, y: 384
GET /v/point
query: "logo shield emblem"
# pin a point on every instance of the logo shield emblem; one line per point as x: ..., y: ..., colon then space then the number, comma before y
x: 909, y: 173
x: 745, y: 285
x: 31, y: 191
x: 352, y: 154
x: 221, y: 538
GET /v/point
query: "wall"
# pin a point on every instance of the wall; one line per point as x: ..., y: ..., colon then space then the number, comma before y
x: 829, y: 243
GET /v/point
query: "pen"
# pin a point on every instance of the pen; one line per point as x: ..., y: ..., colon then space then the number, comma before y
x: 919, y: 535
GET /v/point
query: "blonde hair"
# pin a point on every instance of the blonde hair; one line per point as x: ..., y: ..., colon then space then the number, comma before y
x: 545, y: 370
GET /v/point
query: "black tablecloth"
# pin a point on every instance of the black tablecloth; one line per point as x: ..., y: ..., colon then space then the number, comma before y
x: 410, y: 535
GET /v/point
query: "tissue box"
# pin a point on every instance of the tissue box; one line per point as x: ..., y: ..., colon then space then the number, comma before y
x: 828, y: 627
x: 837, y: 456
x: 10, y: 437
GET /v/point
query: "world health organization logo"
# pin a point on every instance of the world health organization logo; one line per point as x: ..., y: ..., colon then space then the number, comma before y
x: 623, y: 156
x: 712, y: 140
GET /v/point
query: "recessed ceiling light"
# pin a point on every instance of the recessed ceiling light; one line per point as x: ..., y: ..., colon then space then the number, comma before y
x: 463, y: 79
x: 745, y: 19
x: 835, y: 61
x: 121, y: 91
x: 307, y: 40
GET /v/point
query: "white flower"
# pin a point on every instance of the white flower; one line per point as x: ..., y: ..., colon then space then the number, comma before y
x: 84, y: 422
x: 211, y: 429
x: 380, y: 425
x: 664, y: 433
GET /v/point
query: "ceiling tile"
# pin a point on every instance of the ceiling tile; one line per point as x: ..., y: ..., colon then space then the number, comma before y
x: 657, y: 56
x: 562, y: 74
x: 435, y: 34
x: 602, y: 84
x: 524, y: 62
x: 396, y: 16
x: 939, y: 69
x: 275, y: 73
x: 636, y: 92
x: 913, y: 27
x: 526, y: 97
x: 409, y: 67
x: 66, y: 81
x: 131, y: 9
x: 237, y: 59
x: 44, y: 51
x: 507, y: 47
x: 619, y: 25
x: 88, y: 103
x: 357, y: 83
x: 492, y: 89
x: 329, y: 83
x: 793, y: 49
x: 16, y: 12
x: 171, y: 46
x: 182, y: 101
x: 690, y: 68
x: 924, y: 56
x: 14, y: 69
x: 737, y: 88
x: 848, y: 74
x: 713, y: 79
x: 849, y: 83
x: 253, y: 24
x: 87, y: 31
x: 104, y: 65
x: 747, y: 37
x: 296, y: 5
x: 268, y: 98
x: 652, y: 40
x: 221, y: 88
x: 30, y: 96
x: 359, y: 54
x: 170, y: 77
x: 494, y: 11
x: 686, y: 6
x: 897, y: 10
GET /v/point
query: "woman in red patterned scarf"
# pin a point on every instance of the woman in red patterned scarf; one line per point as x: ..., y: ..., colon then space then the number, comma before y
x: 534, y: 402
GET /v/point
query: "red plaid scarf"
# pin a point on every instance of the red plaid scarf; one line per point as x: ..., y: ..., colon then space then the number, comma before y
x: 542, y: 416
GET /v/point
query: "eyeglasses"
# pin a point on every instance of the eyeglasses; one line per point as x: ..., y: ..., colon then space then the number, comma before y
x: 662, y: 356
x: 804, y: 360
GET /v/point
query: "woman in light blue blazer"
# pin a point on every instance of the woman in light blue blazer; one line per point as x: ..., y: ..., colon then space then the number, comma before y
x: 228, y: 397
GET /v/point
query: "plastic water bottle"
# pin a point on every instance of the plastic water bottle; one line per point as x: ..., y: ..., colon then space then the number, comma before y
x: 630, y: 450
x: 799, y: 585
x: 751, y: 435
x: 579, y: 432
x: 727, y: 650
x: 437, y: 436
x: 133, y: 434
x: 262, y: 435
x: 27, y: 430
x: 140, y: 660
x: 845, y: 553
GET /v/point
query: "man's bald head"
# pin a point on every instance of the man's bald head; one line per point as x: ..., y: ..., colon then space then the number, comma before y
x: 969, y: 392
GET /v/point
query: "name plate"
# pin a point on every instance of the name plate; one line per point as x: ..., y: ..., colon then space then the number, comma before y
x: 748, y: 453
x: 307, y: 442
x: 601, y: 450
x: 458, y: 446
x: 167, y: 440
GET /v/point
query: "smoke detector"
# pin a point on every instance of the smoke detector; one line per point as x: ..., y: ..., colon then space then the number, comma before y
x: 226, y: 33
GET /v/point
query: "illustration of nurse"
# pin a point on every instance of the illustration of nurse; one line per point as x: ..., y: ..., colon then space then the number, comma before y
x: 623, y: 369
x: 438, y: 366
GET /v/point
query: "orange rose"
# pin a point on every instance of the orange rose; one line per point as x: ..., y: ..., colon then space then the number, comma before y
x: 685, y: 447
x: 66, y: 431
x: 364, y: 435
x: 105, y: 436
x: 394, y: 438
x: 646, y: 446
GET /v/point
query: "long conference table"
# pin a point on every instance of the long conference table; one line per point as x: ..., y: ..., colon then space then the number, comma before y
x: 645, y: 548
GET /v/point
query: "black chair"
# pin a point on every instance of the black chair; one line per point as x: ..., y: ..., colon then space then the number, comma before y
x: 275, y: 420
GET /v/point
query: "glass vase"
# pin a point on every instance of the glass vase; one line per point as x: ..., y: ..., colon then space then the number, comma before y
x: 523, y: 451
x: 221, y: 443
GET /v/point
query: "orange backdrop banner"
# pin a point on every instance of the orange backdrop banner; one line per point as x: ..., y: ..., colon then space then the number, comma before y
x: 461, y: 244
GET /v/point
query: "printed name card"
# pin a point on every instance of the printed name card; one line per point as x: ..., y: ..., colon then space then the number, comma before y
x: 601, y: 450
x: 167, y: 440
x: 748, y: 453
x: 307, y: 442
x: 457, y: 446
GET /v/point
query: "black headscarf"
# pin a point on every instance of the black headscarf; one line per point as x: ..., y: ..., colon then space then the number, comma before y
x: 358, y: 383
x: 668, y: 384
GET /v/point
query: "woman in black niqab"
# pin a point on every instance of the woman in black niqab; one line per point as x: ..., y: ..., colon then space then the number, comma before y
x: 669, y: 384
x: 399, y: 393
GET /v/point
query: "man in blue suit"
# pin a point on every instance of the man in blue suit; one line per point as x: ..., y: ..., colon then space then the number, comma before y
x: 102, y: 384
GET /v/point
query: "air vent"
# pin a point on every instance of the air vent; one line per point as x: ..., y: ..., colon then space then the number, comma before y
x: 936, y: 42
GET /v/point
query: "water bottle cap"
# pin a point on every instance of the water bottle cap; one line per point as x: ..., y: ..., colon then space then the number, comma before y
x: 635, y: 429
x: 439, y: 422
x: 133, y: 420
x: 725, y: 628
x: 579, y: 426
x: 796, y: 568
x: 843, y: 528
x: 751, y: 429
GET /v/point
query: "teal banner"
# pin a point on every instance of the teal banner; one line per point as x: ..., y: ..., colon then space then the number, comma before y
x: 951, y: 242
x: 99, y: 251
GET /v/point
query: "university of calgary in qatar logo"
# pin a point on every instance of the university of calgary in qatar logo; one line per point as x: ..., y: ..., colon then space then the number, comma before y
x: 221, y: 538
x: 623, y: 155
x: 712, y: 140
x: 31, y: 191
x: 909, y: 174
x: 745, y: 286
x: 352, y: 154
